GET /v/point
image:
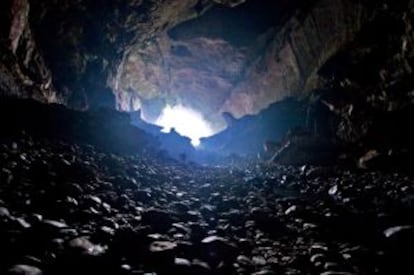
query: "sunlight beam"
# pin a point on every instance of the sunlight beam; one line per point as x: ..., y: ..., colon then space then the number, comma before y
x: 186, y: 122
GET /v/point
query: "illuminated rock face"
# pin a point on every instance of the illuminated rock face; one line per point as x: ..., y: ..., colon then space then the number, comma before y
x: 233, y: 70
x: 81, y: 41
x: 213, y: 56
x: 294, y: 55
x: 198, y: 74
x: 23, y: 71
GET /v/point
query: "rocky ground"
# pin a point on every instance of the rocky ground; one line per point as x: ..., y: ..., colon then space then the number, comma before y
x: 71, y: 209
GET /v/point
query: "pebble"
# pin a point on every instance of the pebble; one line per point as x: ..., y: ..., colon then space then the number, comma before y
x: 51, y: 224
x: 291, y: 209
x: 393, y: 231
x: 84, y: 246
x: 24, y: 270
x: 258, y: 260
x: 244, y: 260
x: 126, y: 210
x: 4, y: 212
x: 182, y: 262
x: 162, y: 246
x: 264, y: 272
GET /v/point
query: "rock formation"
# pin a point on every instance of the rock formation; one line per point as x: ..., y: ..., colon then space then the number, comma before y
x: 213, y: 56
x: 85, y: 192
x: 216, y: 57
x: 239, y: 60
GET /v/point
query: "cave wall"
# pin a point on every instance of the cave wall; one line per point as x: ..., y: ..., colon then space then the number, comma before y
x: 213, y: 56
x: 84, y: 41
x: 364, y: 101
x: 290, y: 63
x: 69, y: 51
x: 241, y: 73
x: 23, y: 70
x: 370, y: 81
x: 80, y: 42
x: 197, y: 62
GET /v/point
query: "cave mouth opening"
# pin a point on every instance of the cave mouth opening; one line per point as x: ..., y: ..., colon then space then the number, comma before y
x: 185, y: 121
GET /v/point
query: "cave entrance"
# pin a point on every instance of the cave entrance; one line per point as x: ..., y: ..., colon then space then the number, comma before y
x: 186, y: 122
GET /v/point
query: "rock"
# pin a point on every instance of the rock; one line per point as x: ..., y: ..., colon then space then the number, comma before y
x: 22, y: 223
x: 162, y: 246
x: 333, y: 190
x: 84, y: 246
x: 259, y: 260
x: 291, y: 210
x: 394, y: 232
x: 318, y: 249
x: 24, y: 270
x: 217, y: 249
x: 214, y: 239
x: 244, y: 260
x: 223, y: 222
x: 182, y: 262
x: 181, y: 266
x: 318, y: 259
x: 107, y: 230
x: 93, y: 200
x: 14, y: 146
x: 4, y: 212
x: 182, y: 228
x: 54, y: 225
x: 368, y: 160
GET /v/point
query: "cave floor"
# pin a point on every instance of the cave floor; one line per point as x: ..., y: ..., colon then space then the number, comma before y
x: 70, y: 209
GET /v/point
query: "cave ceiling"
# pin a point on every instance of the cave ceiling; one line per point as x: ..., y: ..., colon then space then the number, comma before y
x: 211, y: 56
x: 236, y: 59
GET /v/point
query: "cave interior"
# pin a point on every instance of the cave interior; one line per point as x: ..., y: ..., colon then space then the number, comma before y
x: 206, y: 137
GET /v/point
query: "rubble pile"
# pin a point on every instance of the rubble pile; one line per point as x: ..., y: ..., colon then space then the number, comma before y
x: 74, y: 209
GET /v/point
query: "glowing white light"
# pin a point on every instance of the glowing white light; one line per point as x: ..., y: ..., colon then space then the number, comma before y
x: 186, y: 122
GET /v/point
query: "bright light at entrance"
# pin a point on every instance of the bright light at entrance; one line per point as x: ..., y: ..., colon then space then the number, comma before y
x: 186, y: 122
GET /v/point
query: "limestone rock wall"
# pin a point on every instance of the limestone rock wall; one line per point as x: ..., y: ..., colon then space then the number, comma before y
x: 23, y: 71
x: 240, y: 73
x: 213, y: 56
x: 293, y: 57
